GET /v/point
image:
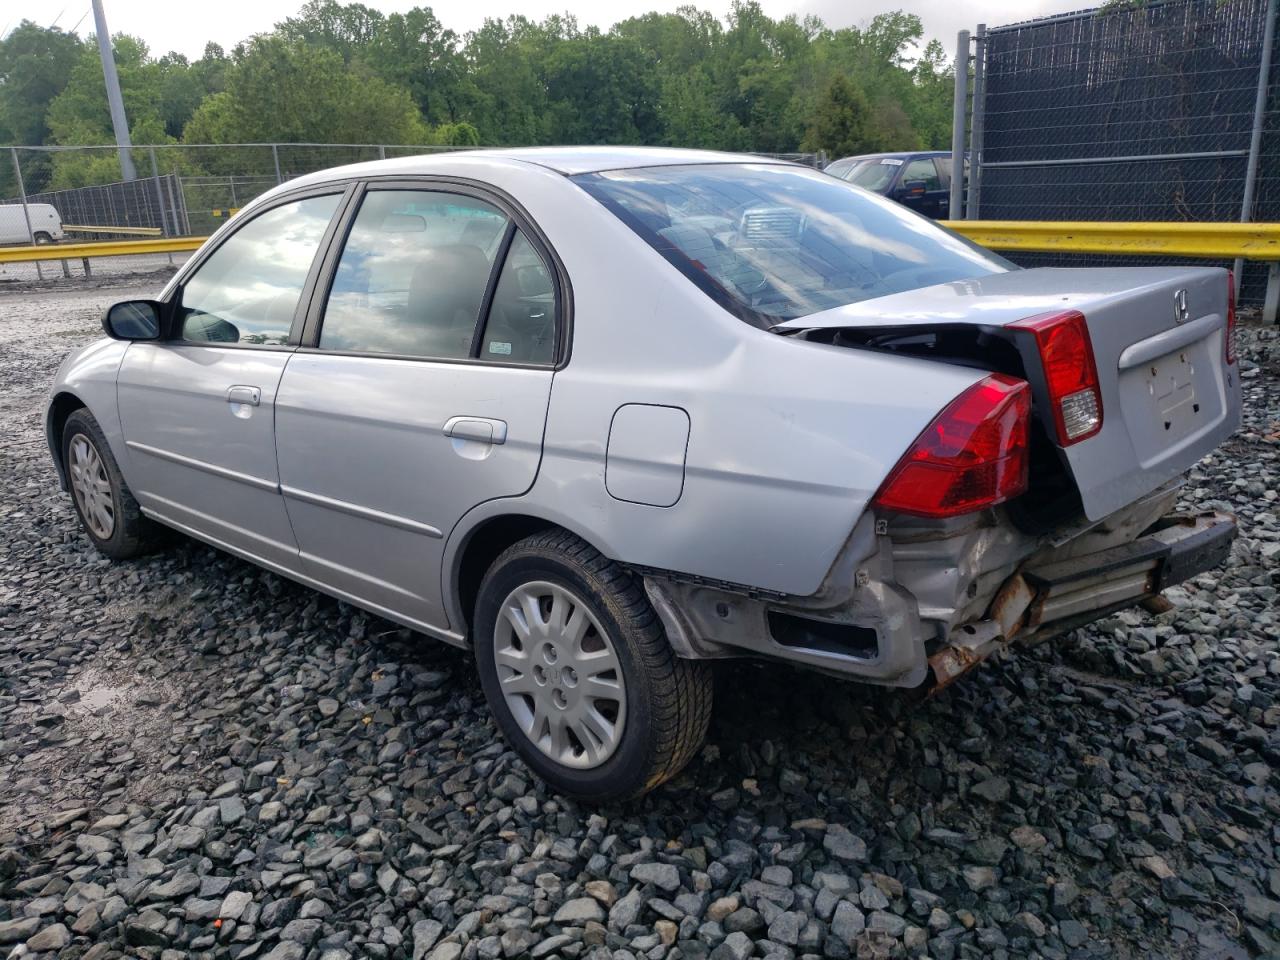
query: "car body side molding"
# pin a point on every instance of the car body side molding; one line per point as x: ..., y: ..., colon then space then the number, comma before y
x: 366, y: 513
x: 260, y: 483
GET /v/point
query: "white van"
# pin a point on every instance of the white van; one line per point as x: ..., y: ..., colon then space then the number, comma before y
x: 46, y: 224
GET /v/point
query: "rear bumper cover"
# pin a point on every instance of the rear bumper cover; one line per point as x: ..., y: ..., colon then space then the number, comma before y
x: 1042, y: 601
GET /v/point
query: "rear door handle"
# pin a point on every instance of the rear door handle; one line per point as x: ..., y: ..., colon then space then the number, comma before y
x: 481, y: 429
x: 242, y: 394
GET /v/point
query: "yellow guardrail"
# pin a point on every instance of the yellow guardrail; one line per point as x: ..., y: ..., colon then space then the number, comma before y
x: 126, y: 231
x: 98, y: 248
x: 1214, y: 241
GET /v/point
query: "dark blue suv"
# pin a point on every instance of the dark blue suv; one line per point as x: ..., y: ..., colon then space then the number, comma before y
x: 920, y: 180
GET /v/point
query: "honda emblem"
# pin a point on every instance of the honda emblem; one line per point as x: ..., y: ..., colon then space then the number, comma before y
x: 1181, y: 312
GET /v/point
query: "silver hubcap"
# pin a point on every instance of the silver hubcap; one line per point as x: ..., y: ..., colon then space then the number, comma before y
x: 91, y: 487
x: 560, y: 675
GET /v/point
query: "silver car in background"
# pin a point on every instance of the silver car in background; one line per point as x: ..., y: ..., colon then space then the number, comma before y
x: 605, y: 415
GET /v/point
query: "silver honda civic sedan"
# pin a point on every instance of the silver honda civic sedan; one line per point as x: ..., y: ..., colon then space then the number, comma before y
x: 605, y: 415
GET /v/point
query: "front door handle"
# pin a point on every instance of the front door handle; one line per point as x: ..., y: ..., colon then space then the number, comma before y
x: 241, y: 394
x: 481, y: 429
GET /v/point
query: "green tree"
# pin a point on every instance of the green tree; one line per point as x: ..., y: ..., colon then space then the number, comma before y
x: 344, y: 72
x: 160, y: 97
x: 79, y: 114
x: 415, y: 51
x: 35, y: 65
x: 277, y: 90
x: 461, y: 134
x: 346, y: 29
x: 890, y: 36
x: 674, y: 43
x: 505, y: 95
x: 930, y: 105
x: 690, y: 115
x: 602, y: 90
x: 842, y: 123
x: 680, y: 50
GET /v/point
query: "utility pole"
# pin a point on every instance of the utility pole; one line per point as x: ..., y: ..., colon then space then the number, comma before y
x: 118, y: 121
x: 1251, y: 172
x: 959, y: 114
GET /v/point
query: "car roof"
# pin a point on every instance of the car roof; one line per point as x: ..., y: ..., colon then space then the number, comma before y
x: 575, y: 160
x: 902, y: 155
x: 566, y: 161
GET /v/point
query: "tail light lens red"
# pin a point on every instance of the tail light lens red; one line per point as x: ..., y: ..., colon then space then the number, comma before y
x: 1229, y: 345
x: 973, y: 455
x: 1071, y: 376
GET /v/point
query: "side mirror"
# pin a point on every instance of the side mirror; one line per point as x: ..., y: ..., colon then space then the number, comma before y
x: 914, y: 188
x: 133, y: 320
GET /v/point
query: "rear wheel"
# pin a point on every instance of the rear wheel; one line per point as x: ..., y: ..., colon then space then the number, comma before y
x: 579, y: 675
x: 107, y: 509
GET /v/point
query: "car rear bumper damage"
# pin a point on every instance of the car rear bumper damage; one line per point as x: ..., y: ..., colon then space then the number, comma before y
x: 1041, y: 601
x: 906, y: 607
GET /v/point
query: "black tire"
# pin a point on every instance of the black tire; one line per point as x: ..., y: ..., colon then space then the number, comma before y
x: 668, y: 700
x: 131, y: 533
x: 42, y: 238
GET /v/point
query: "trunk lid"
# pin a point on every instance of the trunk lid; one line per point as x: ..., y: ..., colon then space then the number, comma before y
x: 1168, y: 396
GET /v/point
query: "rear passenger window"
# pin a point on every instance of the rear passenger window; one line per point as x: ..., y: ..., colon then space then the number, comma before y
x: 521, y: 327
x: 413, y: 275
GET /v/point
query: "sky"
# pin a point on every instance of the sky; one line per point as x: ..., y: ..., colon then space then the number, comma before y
x: 186, y: 27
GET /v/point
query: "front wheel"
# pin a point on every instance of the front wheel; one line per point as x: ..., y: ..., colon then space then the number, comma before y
x: 579, y: 674
x: 106, y: 507
x: 42, y: 238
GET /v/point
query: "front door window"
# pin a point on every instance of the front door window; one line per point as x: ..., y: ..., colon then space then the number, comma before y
x: 248, y: 289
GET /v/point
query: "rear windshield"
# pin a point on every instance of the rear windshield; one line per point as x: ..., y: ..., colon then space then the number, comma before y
x: 773, y: 243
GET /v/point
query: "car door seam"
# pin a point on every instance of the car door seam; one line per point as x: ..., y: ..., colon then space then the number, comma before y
x: 448, y: 574
x: 275, y: 447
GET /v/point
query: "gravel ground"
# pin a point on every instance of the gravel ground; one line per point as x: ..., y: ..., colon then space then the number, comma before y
x: 198, y: 758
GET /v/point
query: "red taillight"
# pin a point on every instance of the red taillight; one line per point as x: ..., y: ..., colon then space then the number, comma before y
x: 1229, y: 345
x: 1071, y: 376
x: 973, y: 455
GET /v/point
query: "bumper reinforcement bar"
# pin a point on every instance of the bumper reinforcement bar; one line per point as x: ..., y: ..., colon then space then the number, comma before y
x: 1038, y: 602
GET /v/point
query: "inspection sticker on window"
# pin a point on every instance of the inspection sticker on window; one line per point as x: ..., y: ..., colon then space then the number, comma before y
x: 496, y: 346
x: 891, y: 161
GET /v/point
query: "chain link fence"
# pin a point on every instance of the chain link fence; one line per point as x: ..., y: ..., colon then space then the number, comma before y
x: 1141, y: 113
x: 150, y: 206
x: 182, y: 189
